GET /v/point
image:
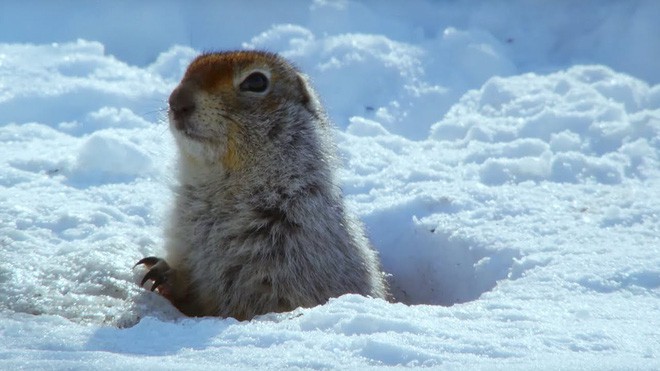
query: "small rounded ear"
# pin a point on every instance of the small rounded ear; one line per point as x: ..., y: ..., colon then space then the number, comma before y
x: 305, y: 90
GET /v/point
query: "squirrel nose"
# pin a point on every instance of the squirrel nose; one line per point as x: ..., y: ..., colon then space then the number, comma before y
x: 182, y: 104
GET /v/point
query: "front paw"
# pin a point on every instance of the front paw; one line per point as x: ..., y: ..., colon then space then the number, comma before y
x: 159, y: 272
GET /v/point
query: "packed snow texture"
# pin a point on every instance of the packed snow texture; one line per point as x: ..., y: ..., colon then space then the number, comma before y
x: 504, y: 157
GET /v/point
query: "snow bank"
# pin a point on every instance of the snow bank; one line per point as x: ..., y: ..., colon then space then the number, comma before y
x: 412, y: 63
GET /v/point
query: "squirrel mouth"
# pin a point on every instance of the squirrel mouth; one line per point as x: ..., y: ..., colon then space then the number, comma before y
x: 190, y: 134
x: 186, y: 130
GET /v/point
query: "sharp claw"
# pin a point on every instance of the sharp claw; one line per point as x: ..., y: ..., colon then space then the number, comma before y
x: 158, y: 272
x: 157, y: 282
x: 148, y: 261
x: 151, y: 275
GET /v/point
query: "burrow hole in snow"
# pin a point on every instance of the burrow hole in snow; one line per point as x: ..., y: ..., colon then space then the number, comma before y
x: 433, y: 266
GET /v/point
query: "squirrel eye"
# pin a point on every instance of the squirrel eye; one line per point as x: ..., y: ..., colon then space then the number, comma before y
x: 256, y: 82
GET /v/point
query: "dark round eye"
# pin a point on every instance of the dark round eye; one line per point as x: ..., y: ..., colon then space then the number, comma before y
x: 256, y: 82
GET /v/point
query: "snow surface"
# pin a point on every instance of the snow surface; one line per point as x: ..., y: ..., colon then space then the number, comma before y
x: 504, y: 156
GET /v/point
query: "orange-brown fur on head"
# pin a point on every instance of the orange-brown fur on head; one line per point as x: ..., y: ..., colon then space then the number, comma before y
x: 218, y: 70
x: 223, y: 114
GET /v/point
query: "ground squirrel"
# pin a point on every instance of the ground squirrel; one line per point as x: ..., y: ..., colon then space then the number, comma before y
x: 259, y: 224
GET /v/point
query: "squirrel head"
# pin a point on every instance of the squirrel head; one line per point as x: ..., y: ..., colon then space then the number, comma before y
x: 233, y: 107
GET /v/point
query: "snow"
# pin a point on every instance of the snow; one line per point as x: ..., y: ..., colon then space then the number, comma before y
x: 504, y: 156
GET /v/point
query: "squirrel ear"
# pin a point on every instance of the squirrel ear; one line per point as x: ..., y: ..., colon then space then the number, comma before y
x: 305, y: 90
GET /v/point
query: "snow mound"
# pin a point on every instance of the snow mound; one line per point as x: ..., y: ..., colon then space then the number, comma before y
x: 107, y: 157
x: 574, y: 126
x: 76, y: 79
x: 563, y: 135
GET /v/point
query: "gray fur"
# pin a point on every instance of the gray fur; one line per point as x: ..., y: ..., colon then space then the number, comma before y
x: 270, y: 234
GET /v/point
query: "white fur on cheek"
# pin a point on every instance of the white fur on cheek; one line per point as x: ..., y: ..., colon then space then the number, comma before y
x: 204, y: 136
